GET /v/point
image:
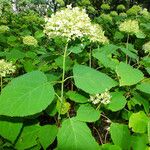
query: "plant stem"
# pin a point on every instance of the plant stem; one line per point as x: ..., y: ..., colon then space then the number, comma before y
x: 127, y: 46
x: 90, y: 58
x: 1, y: 82
x: 63, y: 78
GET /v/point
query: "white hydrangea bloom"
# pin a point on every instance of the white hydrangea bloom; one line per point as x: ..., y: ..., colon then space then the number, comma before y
x: 6, y: 68
x: 146, y: 47
x: 30, y: 40
x: 103, y: 98
x: 4, y: 29
x: 129, y: 26
x: 73, y: 23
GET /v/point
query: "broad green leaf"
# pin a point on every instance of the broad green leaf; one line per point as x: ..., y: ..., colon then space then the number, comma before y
x: 39, y: 34
x: 87, y: 113
x: 141, y: 101
x: 92, y: 81
x: 76, y: 49
x: 140, y: 35
x: 110, y: 147
x: 138, y: 122
x: 139, y: 142
x: 76, y: 97
x: 148, y: 130
x: 28, y: 137
x: 26, y: 95
x: 144, y: 87
x: 117, y: 102
x: 128, y: 75
x: 10, y: 130
x: 59, y: 62
x: 120, y: 135
x: 47, y: 135
x: 75, y: 135
x: 129, y: 52
x: 105, y: 59
x: 15, y: 54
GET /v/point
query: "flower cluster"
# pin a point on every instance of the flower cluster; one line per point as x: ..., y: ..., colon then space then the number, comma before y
x: 103, y: 98
x: 121, y: 7
x: 113, y: 13
x: 4, y: 29
x: 123, y: 14
x: 73, y: 23
x: 30, y: 40
x: 146, y: 47
x: 129, y: 26
x: 106, y: 17
x: 105, y: 7
x: 134, y: 10
x: 6, y: 68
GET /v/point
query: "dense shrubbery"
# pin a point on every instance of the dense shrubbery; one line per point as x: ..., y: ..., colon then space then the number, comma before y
x: 84, y: 86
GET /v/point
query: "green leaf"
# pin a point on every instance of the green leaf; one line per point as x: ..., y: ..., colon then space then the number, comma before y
x: 76, y: 97
x: 110, y: 147
x: 87, y: 113
x: 139, y: 142
x: 137, y: 98
x: 144, y: 86
x: 129, y: 52
x: 128, y: 75
x: 59, y: 62
x: 92, y: 81
x: 148, y: 130
x: 138, y: 122
x: 28, y: 137
x: 118, y: 101
x: 39, y: 34
x: 10, y: 130
x: 75, y: 135
x: 140, y: 35
x: 26, y: 95
x: 120, y: 135
x: 47, y: 135
x: 105, y: 58
x: 76, y: 49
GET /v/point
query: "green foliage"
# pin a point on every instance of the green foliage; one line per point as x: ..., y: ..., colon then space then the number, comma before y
x: 92, y: 81
x: 87, y: 113
x: 74, y: 94
x: 120, y: 135
x: 31, y: 91
x: 128, y: 76
x: 75, y: 135
x: 138, y: 122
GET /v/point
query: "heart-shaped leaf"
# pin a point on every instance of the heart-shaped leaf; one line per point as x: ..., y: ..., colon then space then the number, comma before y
x: 26, y: 95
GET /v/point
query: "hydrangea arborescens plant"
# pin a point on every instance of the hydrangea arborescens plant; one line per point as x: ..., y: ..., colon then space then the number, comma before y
x: 6, y: 68
x: 30, y: 40
x: 129, y: 26
x: 72, y: 23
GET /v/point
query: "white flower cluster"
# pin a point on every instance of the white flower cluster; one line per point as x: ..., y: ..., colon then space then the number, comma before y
x: 30, y: 40
x: 4, y: 29
x: 6, y: 68
x: 103, y: 98
x: 73, y: 23
x: 129, y: 26
x: 146, y: 47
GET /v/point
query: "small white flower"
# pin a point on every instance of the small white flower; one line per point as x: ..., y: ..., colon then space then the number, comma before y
x: 6, y: 68
x: 103, y: 98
